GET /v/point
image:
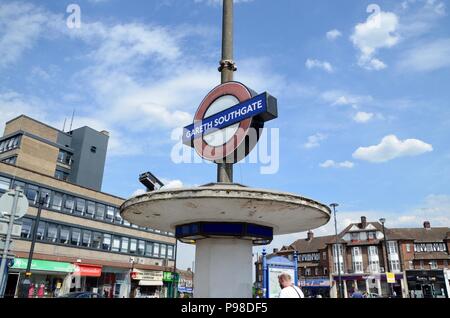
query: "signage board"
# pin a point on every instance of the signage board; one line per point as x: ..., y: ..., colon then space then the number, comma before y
x: 274, y: 286
x: 227, y: 123
x: 171, y: 277
x: 390, y: 277
x: 87, y: 270
x: 42, y: 265
x: 147, y: 275
x: 7, y: 201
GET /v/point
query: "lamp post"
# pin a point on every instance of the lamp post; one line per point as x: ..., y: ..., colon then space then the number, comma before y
x: 338, y: 250
x: 382, y: 221
x: 27, y: 282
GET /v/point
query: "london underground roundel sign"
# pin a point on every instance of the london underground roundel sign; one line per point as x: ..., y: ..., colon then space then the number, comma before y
x: 228, y: 122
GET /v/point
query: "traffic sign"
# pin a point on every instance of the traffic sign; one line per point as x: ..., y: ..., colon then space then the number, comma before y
x: 228, y: 122
x: 6, y: 204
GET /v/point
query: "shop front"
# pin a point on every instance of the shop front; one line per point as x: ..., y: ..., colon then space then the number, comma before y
x: 373, y: 284
x: 46, y: 280
x: 427, y: 284
x: 147, y: 284
x: 170, y: 281
x: 315, y: 287
x: 185, y: 289
x: 85, y: 277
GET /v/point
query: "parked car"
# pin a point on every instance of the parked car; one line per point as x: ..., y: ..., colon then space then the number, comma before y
x: 81, y: 295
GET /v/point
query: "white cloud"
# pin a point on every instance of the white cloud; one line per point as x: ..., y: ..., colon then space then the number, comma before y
x: 172, y: 184
x: 314, y: 140
x: 21, y: 24
x: 341, y: 98
x: 379, y: 31
x: 333, y: 34
x: 324, y: 65
x: 390, y: 148
x: 427, y: 56
x: 363, y: 117
x: 333, y: 164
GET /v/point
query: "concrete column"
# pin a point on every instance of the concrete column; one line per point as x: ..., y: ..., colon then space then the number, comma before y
x: 344, y: 282
x: 367, y: 286
x: 404, y: 288
x: 223, y: 268
x: 380, y: 292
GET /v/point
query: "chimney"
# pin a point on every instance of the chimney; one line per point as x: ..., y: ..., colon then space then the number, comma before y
x: 427, y: 225
x: 363, y: 222
x: 275, y: 250
x: 310, y: 235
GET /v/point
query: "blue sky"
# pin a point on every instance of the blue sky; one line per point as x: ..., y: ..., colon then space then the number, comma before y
x: 363, y: 98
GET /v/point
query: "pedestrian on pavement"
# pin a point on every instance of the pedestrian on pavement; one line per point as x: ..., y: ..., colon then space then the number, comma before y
x: 288, y: 290
x: 357, y: 294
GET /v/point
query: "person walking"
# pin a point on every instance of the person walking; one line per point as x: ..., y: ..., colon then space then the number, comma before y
x: 357, y: 294
x: 288, y: 290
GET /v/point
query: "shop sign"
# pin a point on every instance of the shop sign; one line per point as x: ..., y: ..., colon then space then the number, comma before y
x: 171, y: 277
x: 87, y: 270
x: 42, y: 265
x: 390, y: 277
x: 147, y: 275
x: 315, y: 283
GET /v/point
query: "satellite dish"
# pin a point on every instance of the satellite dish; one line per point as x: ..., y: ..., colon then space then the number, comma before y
x: 6, y: 204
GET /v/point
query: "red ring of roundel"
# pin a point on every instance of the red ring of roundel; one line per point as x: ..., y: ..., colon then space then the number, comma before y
x: 242, y: 93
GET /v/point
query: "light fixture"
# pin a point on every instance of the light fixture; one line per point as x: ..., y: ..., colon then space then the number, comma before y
x: 151, y: 182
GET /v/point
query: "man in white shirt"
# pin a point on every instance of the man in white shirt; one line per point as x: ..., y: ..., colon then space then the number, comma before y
x: 288, y: 290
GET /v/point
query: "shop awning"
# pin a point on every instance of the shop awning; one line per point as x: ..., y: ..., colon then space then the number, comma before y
x: 150, y: 282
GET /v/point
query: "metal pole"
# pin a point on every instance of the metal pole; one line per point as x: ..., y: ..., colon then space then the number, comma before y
x: 3, y: 276
x: 264, y: 275
x: 387, y: 259
x: 338, y: 250
x: 227, y: 68
x: 296, y: 268
x: 26, y: 281
x: 175, y: 270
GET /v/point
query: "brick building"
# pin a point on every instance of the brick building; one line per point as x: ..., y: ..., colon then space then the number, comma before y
x: 417, y: 257
x: 82, y: 241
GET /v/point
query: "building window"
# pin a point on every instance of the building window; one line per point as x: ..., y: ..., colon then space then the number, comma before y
x: 148, y: 249
x: 124, y: 245
x: 87, y: 236
x: 64, y: 235
x: 80, y: 206
x: 97, y: 240
x: 356, y: 251
x: 408, y: 248
x: 9, y: 144
x: 421, y: 264
x: 61, y: 175
x: 90, y: 211
x: 374, y: 266
x: 307, y: 271
x: 45, y: 195
x: 106, y: 242
x: 156, y: 249
x: 4, y: 183
x: 133, y: 246
x: 324, y: 255
x: 32, y: 193
x: 141, y: 247
x: 433, y: 264
x: 373, y: 250
x: 117, y: 216
x: 76, y: 237
x: 26, y: 228
x: 395, y: 265
x: 163, y: 251
x: 109, y: 213
x: 316, y: 271
x: 100, y: 212
x: 52, y: 232
x: 40, y: 234
x: 69, y: 204
x: 354, y: 236
x: 392, y: 247
x: 445, y: 263
x: 115, y: 244
x: 170, y: 252
x: 371, y: 235
x: 57, y: 201
x: 358, y: 267
x: 11, y: 160
x: 411, y: 264
x: 325, y: 271
x: 64, y: 157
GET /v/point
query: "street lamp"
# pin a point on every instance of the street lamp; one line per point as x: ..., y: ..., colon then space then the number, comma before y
x: 382, y: 221
x: 338, y: 251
